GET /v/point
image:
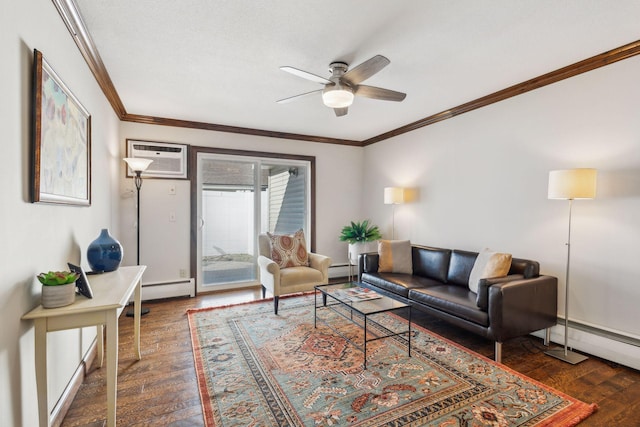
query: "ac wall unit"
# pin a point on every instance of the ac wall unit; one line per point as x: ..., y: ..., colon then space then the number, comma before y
x: 169, y: 160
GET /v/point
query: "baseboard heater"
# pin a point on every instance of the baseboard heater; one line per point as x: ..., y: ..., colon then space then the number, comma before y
x: 340, y: 270
x: 168, y: 289
x: 596, y: 330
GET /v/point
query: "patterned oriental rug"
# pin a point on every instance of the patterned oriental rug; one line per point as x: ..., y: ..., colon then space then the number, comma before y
x: 258, y: 369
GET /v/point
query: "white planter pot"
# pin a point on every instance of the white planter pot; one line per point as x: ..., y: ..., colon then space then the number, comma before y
x: 356, y: 249
x: 58, y: 296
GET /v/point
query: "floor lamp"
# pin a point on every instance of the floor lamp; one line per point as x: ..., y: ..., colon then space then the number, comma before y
x: 138, y: 165
x: 571, y: 184
x: 393, y: 196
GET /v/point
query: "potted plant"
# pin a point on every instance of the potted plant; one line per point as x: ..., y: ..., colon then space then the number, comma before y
x: 362, y: 237
x: 58, y: 288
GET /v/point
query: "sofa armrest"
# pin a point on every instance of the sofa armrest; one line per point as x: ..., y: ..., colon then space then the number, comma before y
x: 482, y: 298
x: 367, y: 263
x: 268, y: 265
x: 520, y: 307
x: 269, y: 274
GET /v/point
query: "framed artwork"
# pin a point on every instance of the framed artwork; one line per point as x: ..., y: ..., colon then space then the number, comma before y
x: 61, y: 170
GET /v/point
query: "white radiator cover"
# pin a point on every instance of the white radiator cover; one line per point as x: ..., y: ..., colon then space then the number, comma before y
x: 168, y: 289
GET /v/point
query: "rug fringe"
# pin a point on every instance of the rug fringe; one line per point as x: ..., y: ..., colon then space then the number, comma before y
x: 581, y: 414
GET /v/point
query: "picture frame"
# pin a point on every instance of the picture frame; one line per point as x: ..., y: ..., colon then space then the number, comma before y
x: 61, y: 142
x: 82, y: 283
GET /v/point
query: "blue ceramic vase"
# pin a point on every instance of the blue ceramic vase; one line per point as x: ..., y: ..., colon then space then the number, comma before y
x: 104, y: 253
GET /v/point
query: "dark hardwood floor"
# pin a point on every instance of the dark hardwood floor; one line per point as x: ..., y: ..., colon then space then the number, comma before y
x: 161, y: 389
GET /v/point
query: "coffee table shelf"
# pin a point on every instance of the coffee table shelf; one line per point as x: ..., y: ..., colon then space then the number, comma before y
x: 339, y: 299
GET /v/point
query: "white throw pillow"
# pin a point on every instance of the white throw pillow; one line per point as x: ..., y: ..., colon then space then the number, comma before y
x: 395, y: 256
x: 489, y: 265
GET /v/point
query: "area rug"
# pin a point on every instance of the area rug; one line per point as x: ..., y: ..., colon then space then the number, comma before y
x: 258, y: 369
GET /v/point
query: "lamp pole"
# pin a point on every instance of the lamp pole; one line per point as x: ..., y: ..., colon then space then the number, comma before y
x: 393, y: 196
x: 138, y: 165
x: 138, y: 183
x: 569, y: 185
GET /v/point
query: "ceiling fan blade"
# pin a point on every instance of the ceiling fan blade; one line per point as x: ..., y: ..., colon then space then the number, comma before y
x: 341, y: 111
x: 365, y: 70
x: 379, y: 93
x: 306, y: 75
x: 295, y: 97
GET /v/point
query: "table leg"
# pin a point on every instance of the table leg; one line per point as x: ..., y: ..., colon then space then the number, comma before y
x: 365, y: 340
x: 41, y: 370
x: 137, y: 306
x: 409, y: 331
x: 100, y: 344
x: 112, y: 366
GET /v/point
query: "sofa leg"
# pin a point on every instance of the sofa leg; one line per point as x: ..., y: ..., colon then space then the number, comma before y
x: 547, y: 336
x: 498, y: 352
x: 275, y: 304
x: 264, y: 292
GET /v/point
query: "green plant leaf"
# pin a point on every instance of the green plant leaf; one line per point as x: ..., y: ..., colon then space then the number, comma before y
x: 54, y: 278
x: 360, y: 232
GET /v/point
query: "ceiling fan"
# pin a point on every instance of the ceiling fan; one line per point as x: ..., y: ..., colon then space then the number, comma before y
x: 344, y: 84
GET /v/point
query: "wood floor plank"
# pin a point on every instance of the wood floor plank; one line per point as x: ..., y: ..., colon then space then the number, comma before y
x: 161, y: 389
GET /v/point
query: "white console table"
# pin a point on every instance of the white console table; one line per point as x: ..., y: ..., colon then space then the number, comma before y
x: 111, y: 293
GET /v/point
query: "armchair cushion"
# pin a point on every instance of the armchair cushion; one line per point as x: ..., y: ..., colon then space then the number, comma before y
x: 289, y: 250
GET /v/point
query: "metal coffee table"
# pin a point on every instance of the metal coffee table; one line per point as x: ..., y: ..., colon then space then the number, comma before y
x: 357, y: 307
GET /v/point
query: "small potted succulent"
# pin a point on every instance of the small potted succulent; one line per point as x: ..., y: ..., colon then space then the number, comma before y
x: 362, y: 237
x: 58, y: 288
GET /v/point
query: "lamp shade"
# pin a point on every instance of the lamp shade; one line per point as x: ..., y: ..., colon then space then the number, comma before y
x: 138, y: 164
x: 393, y: 195
x: 570, y: 184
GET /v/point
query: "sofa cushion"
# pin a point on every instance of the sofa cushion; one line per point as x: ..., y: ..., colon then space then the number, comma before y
x: 454, y: 300
x: 399, y: 284
x: 432, y: 263
x: 488, y: 265
x: 289, y: 250
x: 395, y: 256
x: 460, y: 267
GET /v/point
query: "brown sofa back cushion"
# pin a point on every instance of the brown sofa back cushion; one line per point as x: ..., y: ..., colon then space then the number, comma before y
x: 529, y: 269
x: 431, y: 262
x: 460, y: 267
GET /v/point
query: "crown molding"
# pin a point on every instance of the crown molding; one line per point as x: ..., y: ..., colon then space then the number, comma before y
x: 589, y: 64
x: 70, y: 15
x: 162, y: 121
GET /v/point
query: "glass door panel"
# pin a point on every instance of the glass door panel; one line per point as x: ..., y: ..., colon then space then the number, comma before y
x: 239, y: 197
x: 227, y: 209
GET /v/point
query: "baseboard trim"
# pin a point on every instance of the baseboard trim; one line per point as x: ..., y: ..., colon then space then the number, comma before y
x: 592, y: 340
x: 64, y: 403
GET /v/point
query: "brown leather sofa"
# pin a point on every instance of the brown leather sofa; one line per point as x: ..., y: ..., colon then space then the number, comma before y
x: 504, y: 308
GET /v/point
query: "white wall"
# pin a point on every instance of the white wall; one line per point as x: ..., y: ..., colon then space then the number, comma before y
x: 481, y: 180
x: 40, y: 237
x: 338, y: 195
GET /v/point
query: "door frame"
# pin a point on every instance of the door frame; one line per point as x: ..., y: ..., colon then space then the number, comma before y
x: 193, y: 164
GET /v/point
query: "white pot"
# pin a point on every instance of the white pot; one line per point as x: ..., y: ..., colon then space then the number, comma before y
x: 356, y: 249
x: 59, y: 295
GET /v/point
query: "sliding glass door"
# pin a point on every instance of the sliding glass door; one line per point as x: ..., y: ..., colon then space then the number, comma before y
x: 239, y: 197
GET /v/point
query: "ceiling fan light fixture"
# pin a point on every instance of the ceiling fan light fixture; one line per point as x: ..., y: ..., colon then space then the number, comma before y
x: 337, y: 96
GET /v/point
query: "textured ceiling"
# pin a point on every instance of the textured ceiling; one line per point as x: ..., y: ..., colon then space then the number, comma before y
x: 218, y: 61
